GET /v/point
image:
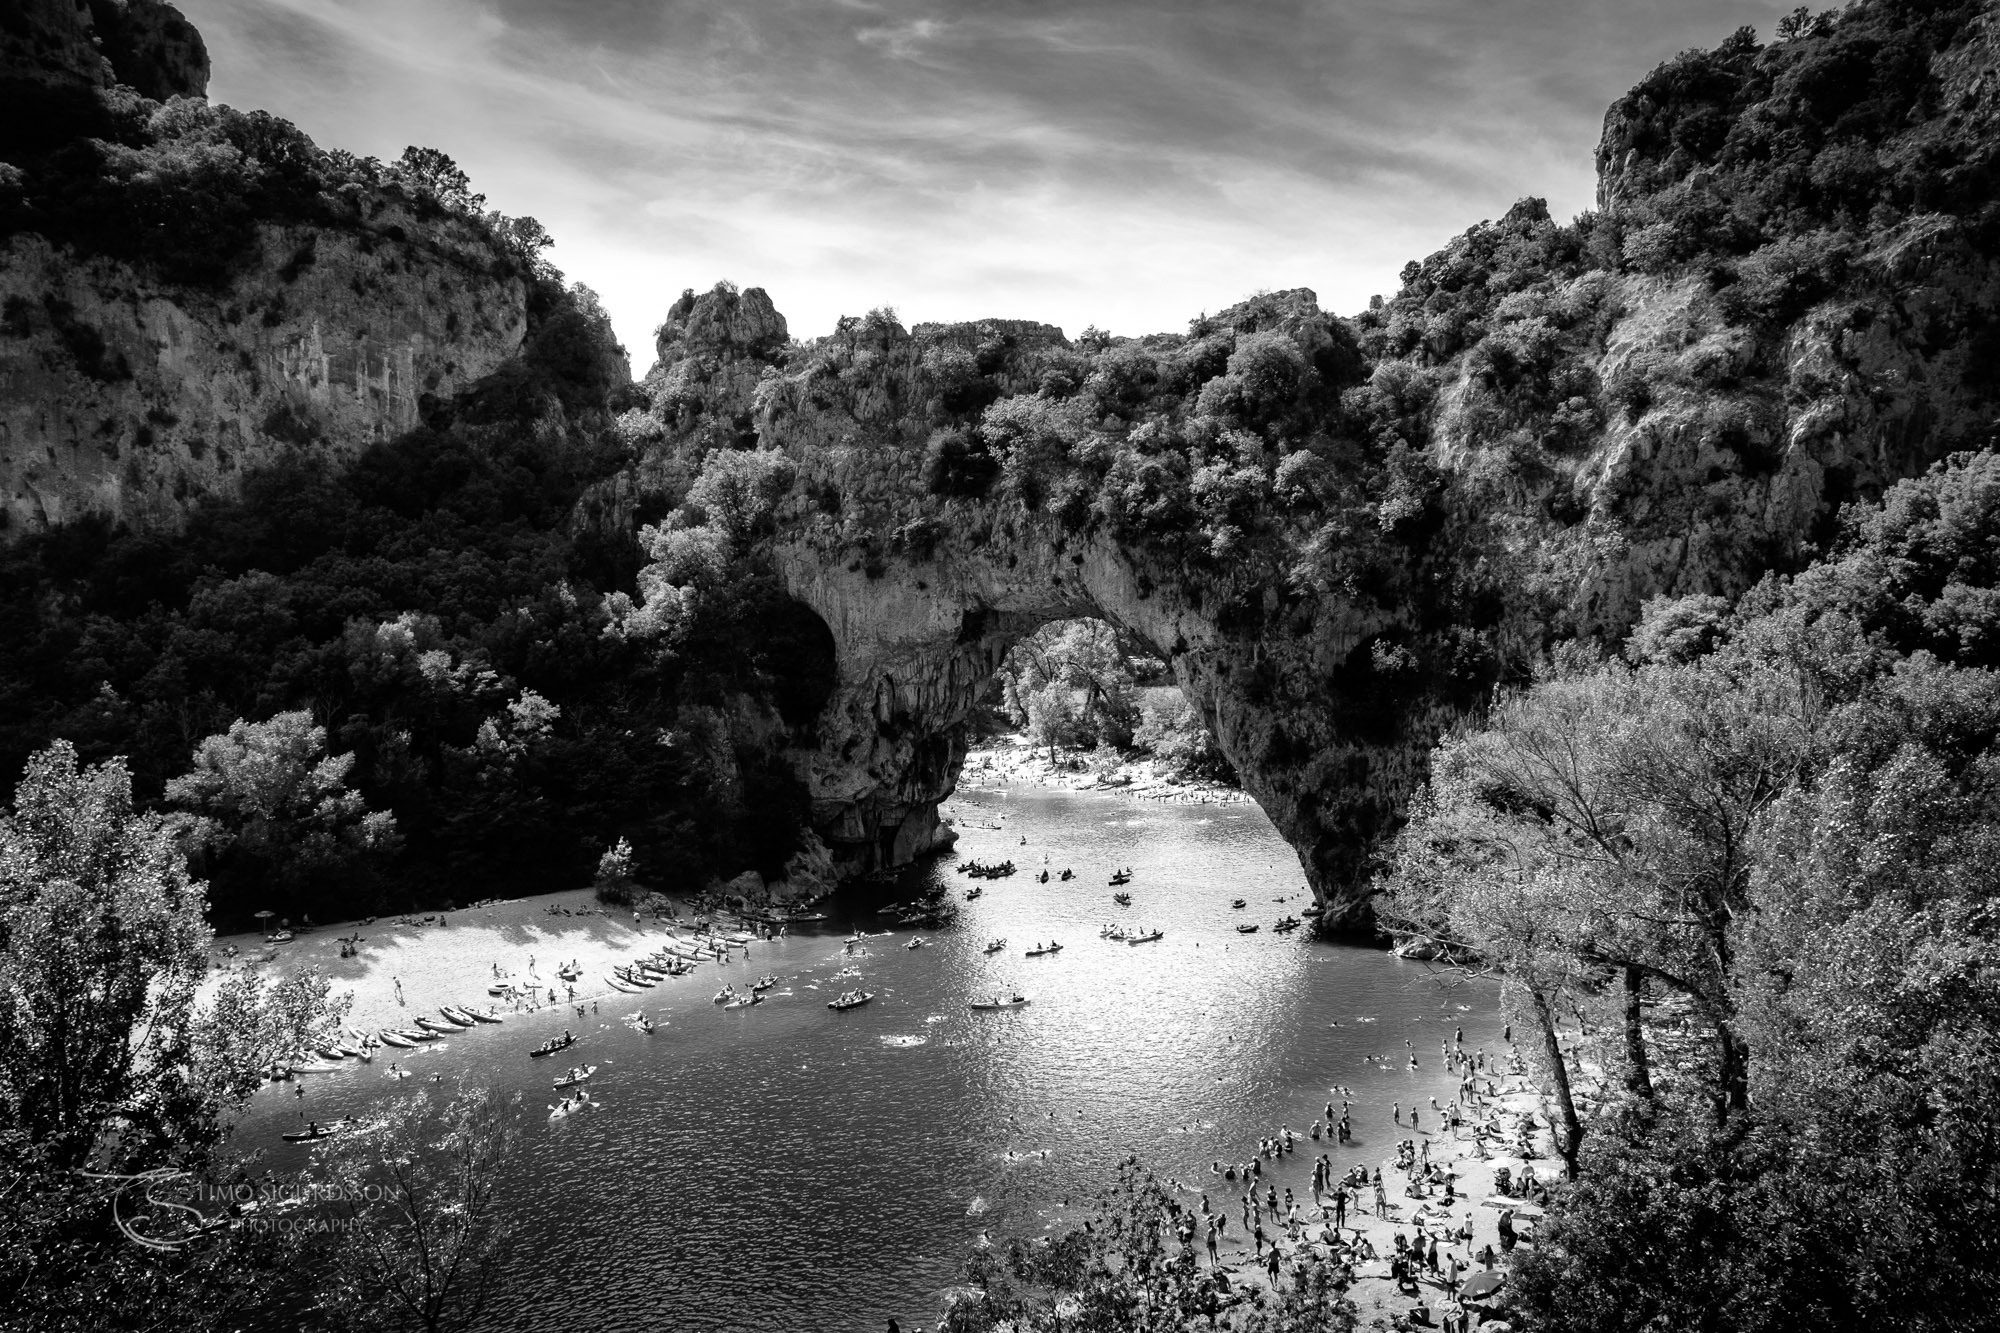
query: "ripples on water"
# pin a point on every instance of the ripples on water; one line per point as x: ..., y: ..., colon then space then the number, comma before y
x: 790, y: 1167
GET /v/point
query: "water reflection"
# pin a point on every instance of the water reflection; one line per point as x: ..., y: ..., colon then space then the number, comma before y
x: 790, y: 1167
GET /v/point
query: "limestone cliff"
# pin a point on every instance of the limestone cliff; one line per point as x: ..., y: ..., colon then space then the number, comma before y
x: 186, y: 291
x: 124, y: 396
x: 147, y: 45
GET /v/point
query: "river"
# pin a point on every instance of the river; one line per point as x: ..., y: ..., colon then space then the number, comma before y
x: 788, y: 1167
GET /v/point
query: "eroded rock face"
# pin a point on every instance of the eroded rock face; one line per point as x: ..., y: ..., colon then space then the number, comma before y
x: 126, y: 397
x: 146, y: 44
x: 1327, y: 699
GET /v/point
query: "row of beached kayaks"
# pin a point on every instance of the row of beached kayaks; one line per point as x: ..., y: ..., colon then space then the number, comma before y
x: 359, y: 1047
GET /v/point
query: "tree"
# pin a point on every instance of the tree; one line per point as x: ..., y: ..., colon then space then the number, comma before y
x: 422, y: 1239
x: 269, y: 792
x: 614, y: 872
x: 111, y: 1073
x: 432, y: 175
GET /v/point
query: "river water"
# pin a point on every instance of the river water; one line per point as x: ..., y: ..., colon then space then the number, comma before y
x: 788, y: 1167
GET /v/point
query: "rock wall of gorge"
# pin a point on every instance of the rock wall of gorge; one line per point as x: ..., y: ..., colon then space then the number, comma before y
x: 128, y: 397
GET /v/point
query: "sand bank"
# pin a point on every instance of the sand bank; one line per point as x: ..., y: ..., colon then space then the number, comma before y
x: 451, y: 957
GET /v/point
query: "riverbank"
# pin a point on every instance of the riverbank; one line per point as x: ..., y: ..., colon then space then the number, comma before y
x: 404, y: 966
x: 1003, y: 760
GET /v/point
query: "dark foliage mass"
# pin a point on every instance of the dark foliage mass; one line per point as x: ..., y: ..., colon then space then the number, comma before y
x: 434, y: 609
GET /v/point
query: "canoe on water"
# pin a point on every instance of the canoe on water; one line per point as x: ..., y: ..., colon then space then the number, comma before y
x: 580, y: 1076
x: 997, y: 1004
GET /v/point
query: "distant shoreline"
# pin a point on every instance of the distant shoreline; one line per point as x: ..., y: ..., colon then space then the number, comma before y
x: 1013, y: 758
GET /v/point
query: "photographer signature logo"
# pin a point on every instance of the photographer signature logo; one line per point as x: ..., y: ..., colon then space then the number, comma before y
x: 145, y: 1212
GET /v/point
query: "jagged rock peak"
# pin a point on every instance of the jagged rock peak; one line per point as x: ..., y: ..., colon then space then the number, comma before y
x: 722, y: 319
x: 148, y: 45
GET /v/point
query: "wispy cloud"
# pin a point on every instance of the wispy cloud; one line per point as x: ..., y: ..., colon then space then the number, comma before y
x: 1101, y: 161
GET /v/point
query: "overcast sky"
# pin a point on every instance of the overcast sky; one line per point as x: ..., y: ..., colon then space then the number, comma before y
x: 1112, y: 162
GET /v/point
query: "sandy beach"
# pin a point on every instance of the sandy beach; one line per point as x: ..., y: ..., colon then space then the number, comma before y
x: 452, y: 957
x: 1013, y: 759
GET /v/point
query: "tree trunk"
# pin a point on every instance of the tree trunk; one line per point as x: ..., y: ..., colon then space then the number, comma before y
x: 1638, y: 1069
x: 1569, y: 1141
x: 1732, y: 1070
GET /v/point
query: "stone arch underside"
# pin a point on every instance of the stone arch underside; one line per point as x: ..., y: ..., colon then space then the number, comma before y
x: 919, y: 639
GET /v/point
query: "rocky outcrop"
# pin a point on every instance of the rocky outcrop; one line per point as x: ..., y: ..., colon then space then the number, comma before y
x: 147, y: 45
x: 1326, y: 693
x: 127, y: 397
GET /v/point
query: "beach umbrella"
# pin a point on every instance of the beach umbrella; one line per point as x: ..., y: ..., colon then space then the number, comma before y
x: 1481, y: 1285
x: 264, y: 915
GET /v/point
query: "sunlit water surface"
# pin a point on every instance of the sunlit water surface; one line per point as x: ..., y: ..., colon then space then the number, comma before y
x: 788, y: 1167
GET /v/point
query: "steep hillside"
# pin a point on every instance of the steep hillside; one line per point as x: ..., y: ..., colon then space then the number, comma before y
x: 188, y: 291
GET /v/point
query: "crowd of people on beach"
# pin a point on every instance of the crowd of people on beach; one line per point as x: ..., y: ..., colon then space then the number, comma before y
x: 1431, y: 1247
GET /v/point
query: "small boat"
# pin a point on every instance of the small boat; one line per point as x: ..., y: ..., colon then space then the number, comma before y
x: 916, y: 942
x: 1314, y: 910
x: 315, y: 1067
x: 429, y: 1024
x: 454, y: 1016
x: 331, y: 1053
x: 724, y: 996
x: 744, y: 1001
x: 552, y: 1045
x: 997, y: 1003
x: 503, y: 989
x: 1120, y: 878
x: 765, y: 982
x: 576, y: 1076
x: 1122, y: 899
x: 313, y: 1132
x: 569, y: 973
x: 1247, y: 928
x: 1148, y: 937
x: 481, y: 1015
x: 418, y: 1034
x: 632, y: 977
x: 1042, y: 878
x: 645, y: 1025
x: 570, y: 1106
x: 1238, y: 902
x: 611, y: 979
x: 1289, y: 923
x: 1044, y: 950
x: 854, y: 999
x: 994, y: 946
x: 281, y: 937
x: 396, y: 1038
x: 973, y: 893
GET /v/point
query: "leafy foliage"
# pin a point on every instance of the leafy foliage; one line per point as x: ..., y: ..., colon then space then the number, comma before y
x: 1782, y: 818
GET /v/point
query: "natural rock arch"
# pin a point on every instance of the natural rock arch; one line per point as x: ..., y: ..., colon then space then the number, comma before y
x: 918, y: 640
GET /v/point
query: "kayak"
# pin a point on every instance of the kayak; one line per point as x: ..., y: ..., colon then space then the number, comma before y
x: 309, y: 1135
x: 580, y: 1076
x: 617, y: 984
x: 997, y: 1004
x: 743, y: 1002
x: 1147, y: 939
x: 1250, y: 929
x: 852, y: 1001
x: 1037, y: 953
x: 454, y: 1017
x: 396, y: 1039
x: 481, y: 1016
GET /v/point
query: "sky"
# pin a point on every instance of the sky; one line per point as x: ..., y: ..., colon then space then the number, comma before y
x: 1111, y: 162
